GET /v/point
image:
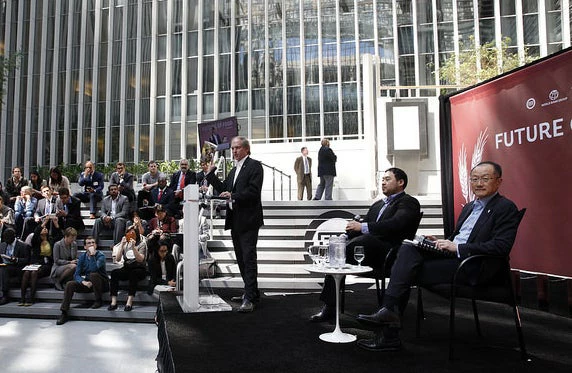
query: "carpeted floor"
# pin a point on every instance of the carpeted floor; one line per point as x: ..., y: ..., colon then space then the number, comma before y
x: 277, y: 337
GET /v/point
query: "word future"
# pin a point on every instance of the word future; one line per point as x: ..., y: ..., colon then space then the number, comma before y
x: 537, y: 132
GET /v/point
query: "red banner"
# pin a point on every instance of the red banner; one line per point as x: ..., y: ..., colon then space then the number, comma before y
x: 523, y: 121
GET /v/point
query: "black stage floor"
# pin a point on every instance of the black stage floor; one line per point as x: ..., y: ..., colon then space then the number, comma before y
x: 277, y: 337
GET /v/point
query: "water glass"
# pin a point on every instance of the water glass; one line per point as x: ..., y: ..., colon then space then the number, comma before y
x: 359, y: 254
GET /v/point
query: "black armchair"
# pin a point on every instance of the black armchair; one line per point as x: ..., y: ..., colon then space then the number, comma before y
x: 493, y: 283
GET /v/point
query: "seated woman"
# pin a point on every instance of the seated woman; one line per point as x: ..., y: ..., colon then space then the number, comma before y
x: 24, y: 207
x: 42, y: 245
x: 162, y: 267
x: 65, y: 259
x: 132, y: 253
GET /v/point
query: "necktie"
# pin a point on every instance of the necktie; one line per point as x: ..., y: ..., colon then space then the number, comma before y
x: 182, y: 181
x: 160, y: 194
x: 48, y: 208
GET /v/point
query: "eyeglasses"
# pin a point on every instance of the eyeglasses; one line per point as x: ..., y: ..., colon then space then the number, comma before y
x: 484, y: 179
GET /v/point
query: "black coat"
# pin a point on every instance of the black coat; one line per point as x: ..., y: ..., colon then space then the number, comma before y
x: 326, y: 162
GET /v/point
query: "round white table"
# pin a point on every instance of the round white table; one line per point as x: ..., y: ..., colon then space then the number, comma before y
x: 337, y: 336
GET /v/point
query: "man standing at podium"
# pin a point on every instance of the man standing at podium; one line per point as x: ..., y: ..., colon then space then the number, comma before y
x: 242, y: 188
x: 303, y: 168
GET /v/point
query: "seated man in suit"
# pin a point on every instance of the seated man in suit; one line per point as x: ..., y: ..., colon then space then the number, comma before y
x: 179, y: 181
x: 113, y: 216
x: 45, y: 210
x: 92, y: 183
x: 488, y: 225
x: 124, y: 181
x: 388, y: 222
x: 15, y: 256
x: 68, y: 211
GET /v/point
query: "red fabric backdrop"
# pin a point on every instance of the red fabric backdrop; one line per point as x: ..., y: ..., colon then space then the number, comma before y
x: 523, y: 121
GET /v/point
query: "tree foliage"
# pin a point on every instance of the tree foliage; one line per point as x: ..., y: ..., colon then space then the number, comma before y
x: 488, y: 55
x: 8, y: 64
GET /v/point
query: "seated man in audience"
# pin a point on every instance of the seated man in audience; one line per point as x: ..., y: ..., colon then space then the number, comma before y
x: 164, y: 196
x: 388, y: 222
x: 488, y: 225
x: 124, y: 181
x: 113, y: 215
x: 15, y: 255
x: 24, y: 207
x: 149, y: 181
x: 6, y: 217
x: 45, y: 210
x: 92, y: 183
x: 14, y: 185
x: 162, y: 222
x: 179, y: 181
x: 90, y: 276
x: 68, y: 211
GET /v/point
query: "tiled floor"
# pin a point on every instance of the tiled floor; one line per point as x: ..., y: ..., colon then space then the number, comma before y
x: 32, y: 345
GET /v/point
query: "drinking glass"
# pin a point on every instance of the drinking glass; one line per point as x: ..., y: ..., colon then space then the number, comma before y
x: 359, y: 254
x: 313, y: 252
x: 323, y: 254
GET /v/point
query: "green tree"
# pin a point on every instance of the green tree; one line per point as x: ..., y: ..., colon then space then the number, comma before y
x: 7, y: 65
x: 493, y: 61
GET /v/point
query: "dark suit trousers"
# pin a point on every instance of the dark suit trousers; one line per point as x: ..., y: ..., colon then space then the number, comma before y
x: 245, y: 251
x: 99, y: 285
x: 375, y: 252
x: 305, y: 183
x: 415, y: 266
x: 6, y: 273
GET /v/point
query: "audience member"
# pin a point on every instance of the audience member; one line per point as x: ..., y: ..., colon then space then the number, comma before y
x: 6, y: 217
x: 90, y: 276
x: 149, y: 180
x: 45, y: 211
x: 92, y: 183
x: 42, y: 247
x: 387, y: 223
x: 24, y: 207
x: 179, y: 181
x: 163, y: 222
x: 36, y: 183
x: 326, y: 171
x: 57, y: 180
x: 68, y: 211
x: 4, y: 196
x: 124, y: 181
x: 487, y: 225
x: 131, y: 252
x: 14, y: 185
x: 303, y: 169
x: 113, y: 216
x: 15, y: 255
x: 162, y: 267
x: 141, y: 225
x: 65, y: 259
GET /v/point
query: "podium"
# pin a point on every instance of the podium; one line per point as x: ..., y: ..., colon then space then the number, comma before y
x: 192, y: 300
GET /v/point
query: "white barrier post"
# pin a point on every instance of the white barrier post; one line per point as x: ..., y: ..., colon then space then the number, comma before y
x: 191, y: 247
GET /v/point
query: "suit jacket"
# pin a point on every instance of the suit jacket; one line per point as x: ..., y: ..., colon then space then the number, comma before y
x: 21, y: 251
x: 74, y: 213
x: 326, y: 162
x: 495, y: 230
x: 246, y: 213
x: 41, y: 207
x: 121, y: 210
x: 167, y: 197
x: 299, y: 167
x: 94, y: 181
x: 190, y: 178
x: 399, y: 220
x: 126, y: 183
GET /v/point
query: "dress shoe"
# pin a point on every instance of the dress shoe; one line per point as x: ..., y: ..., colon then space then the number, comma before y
x: 112, y: 307
x: 380, y: 343
x: 127, y: 308
x: 237, y: 299
x: 4, y: 300
x: 96, y: 304
x: 384, y: 316
x: 58, y: 285
x: 63, y: 318
x: 246, y: 306
x: 327, y: 313
x: 22, y: 302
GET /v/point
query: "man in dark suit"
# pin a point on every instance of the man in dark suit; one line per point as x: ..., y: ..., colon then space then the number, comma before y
x: 45, y: 210
x: 215, y: 137
x: 243, y: 187
x: 488, y: 225
x: 15, y: 256
x: 92, y: 183
x: 113, y: 216
x: 303, y: 169
x: 164, y: 196
x: 388, y: 222
x: 179, y: 181
x: 124, y: 181
x: 68, y: 211
x: 326, y: 171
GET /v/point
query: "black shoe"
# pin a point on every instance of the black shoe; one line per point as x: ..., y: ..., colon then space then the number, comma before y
x: 4, y: 300
x: 384, y: 316
x: 380, y: 344
x: 237, y: 299
x: 63, y: 318
x: 246, y: 306
x: 58, y: 286
x: 112, y: 307
x: 22, y: 302
x: 327, y: 313
x: 96, y: 304
x: 127, y: 308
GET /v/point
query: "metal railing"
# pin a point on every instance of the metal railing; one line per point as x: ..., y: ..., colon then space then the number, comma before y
x: 282, y: 175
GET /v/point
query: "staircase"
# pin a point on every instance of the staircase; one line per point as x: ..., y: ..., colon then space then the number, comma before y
x: 288, y: 227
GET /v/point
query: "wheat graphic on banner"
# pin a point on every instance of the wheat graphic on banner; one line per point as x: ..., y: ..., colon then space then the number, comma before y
x: 464, y: 171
